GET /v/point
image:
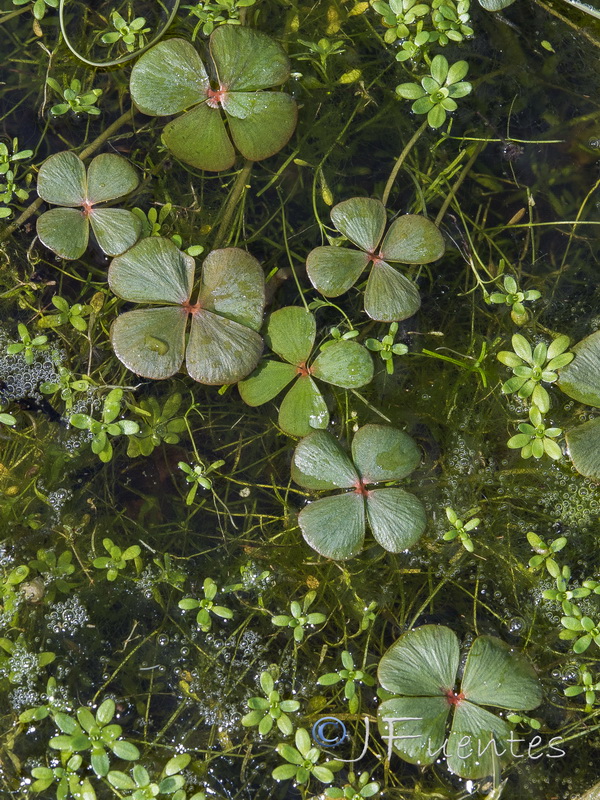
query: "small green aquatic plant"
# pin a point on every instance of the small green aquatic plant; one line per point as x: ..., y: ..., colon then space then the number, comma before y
x: 102, y: 430
x: 586, y: 686
x: 580, y: 629
x: 544, y: 558
x: 424, y: 24
x: 335, y: 526
x: 197, y: 476
x: 9, y: 156
x: 67, y: 385
x: 304, y: 761
x: 460, y: 530
x: 421, y: 669
x: 171, y: 78
x: 212, y: 13
x: 270, y: 710
x: 290, y: 333
x: 410, y: 239
x: 387, y: 349
x: 514, y: 298
x: 6, y: 418
x: 75, y: 100
x: 223, y: 344
x: 532, y: 367
x: 351, y: 675
x: 29, y: 345
x: 535, y: 439
x: 117, y: 559
x: 207, y: 606
x: 299, y: 618
x: 75, y: 315
x: 358, y: 787
x: 437, y: 92
x: 64, y: 181
x: 140, y: 785
x: 131, y: 33
x: 156, y: 425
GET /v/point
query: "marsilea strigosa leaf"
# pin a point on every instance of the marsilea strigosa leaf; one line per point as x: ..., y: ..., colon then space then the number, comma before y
x: 64, y: 181
x: 171, y: 78
x: 335, y: 525
x: 290, y: 333
x: 223, y: 344
x: 421, y: 669
x: 410, y: 239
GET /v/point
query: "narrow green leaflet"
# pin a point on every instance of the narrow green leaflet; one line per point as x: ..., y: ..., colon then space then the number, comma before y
x: 381, y: 453
x: 496, y: 675
x: 265, y: 383
x: 62, y: 180
x: 389, y: 295
x: 290, y: 332
x: 115, y: 229
x: 334, y: 526
x: 168, y: 78
x: 249, y: 62
x: 155, y: 271
x: 584, y: 448
x: 65, y: 231
x: 303, y: 408
x: 423, y: 661
x: 417, y: 726
x: 319, y: 462
x: 362, y: 220
x: 581, y: 378
x: 412, y: 239
x: 346, y: 364
x: 150, y: 342
x: 397, y: 518
x: 221, y: 350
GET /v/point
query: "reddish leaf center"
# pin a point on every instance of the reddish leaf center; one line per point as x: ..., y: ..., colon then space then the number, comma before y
x: 360, y: 488
x: 375, y: 257
x: 303, y: 370
x: 454, y: 698
x: 191, y: 308
x: 87, y: 208
x: 215, y: 97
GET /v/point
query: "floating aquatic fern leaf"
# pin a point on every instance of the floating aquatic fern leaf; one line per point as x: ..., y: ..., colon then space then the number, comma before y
x: 290, y: 333
x: 421, y: 668
x: 171, y: 78
x: 64, y: 181
x: 223, y: 345
x: 411, y: 239
x: 335, y: 525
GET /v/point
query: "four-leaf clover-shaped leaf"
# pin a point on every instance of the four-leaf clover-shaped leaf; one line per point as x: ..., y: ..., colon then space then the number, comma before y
x: 411, y: 239
x: 171, y: 78
x: 64, y: 181
x: 290, y: 332
x: 335, y: 526
x: 223, y: 344
x: 421, y: 667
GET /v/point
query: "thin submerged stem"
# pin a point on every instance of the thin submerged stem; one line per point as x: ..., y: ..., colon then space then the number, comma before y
x: 232, y: 203
x: 400, y: 160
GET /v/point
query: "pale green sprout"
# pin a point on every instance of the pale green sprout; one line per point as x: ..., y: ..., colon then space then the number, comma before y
x: 197, y: 476
x: 586, y: 686
x: 107, y: 427
x: 75, y: 315
x: 303, y: 761
x: 29, y: 345
x: 206, y: 606
x: 74, y: 99
x: 386, y: 347
x: 299, y: 619
x: 270, y: 710
x: 513, y: 297
x: 220, y: 12
x: 7, y: 158
x: 461, y: 529
x: 545, y: 553
x: 117, y: 559
x: 67, y: 385
x: 357, y: 788
x: 535, y: 439
x: 140, y: 783
x: 351, y: 675
x: 531, y: 367
x: 436, y: 95
x: 131, y: 33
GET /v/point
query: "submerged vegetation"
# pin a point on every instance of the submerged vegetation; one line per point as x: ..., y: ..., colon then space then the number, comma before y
x: 298, y: 400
